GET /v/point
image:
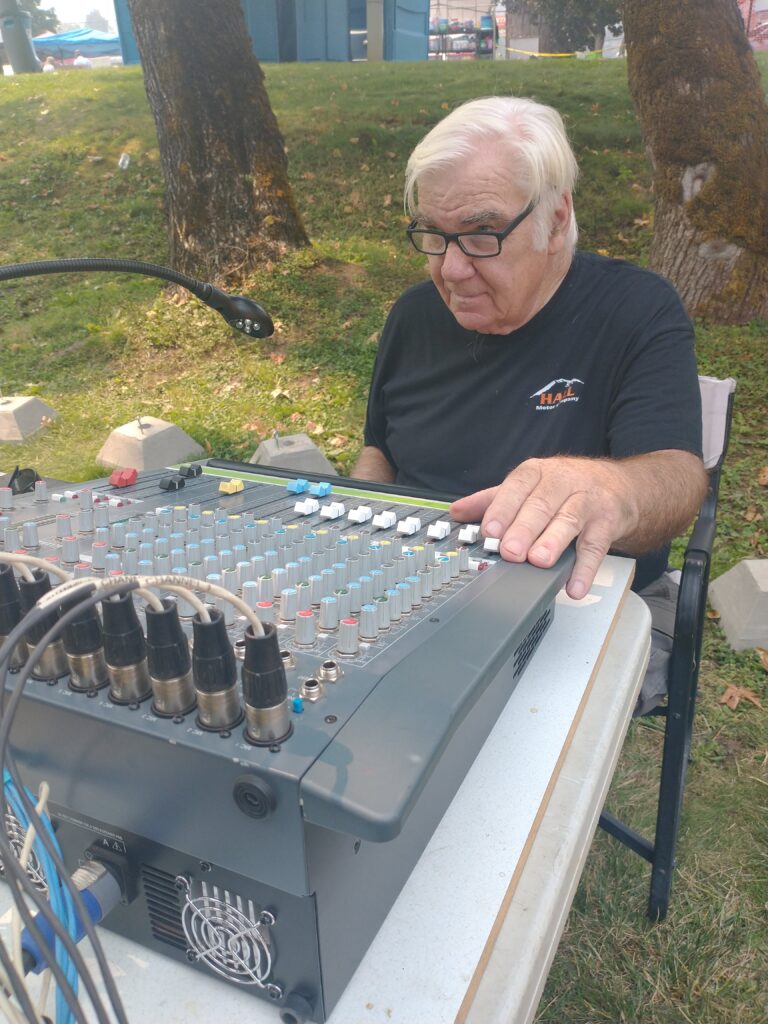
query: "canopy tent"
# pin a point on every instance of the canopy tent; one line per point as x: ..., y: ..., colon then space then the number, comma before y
x: 89, y: 41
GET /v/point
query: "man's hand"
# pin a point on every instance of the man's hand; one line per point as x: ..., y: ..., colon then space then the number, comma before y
x: 636, y: 504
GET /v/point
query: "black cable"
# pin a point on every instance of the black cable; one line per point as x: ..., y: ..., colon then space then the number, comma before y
x: 17, y: 876
x: 23, y: 883
x: 35, y: 615
x: 17, y: 984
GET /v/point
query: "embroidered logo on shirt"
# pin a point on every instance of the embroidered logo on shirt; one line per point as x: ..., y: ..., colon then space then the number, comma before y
x: 556, y: 393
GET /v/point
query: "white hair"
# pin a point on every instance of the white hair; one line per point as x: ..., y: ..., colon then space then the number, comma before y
x: 532, y: 134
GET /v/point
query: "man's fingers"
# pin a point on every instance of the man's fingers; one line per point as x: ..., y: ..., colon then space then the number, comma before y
x: 547, y: 539
x: 591, y: 548
x: 472, y: 508
x: 510, y: 497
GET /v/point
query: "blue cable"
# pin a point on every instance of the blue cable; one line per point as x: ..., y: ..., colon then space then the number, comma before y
x: 58, y: 896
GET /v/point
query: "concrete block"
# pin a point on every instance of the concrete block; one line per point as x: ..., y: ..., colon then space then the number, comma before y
x: 741, y: 597
x: 21, y: 416
x: 148, y: 443
x: 295, y: 452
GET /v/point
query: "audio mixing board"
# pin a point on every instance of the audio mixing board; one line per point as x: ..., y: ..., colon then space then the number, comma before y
x: 268, y: 850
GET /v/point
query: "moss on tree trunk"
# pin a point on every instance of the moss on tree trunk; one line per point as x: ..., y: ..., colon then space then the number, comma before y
x: 228, y: 201
x: 700, y: 102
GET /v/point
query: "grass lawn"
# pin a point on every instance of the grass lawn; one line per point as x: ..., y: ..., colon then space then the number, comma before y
x: 101, y: 349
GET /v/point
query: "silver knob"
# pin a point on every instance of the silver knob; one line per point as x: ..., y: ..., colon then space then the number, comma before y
x: 329, y: 614
x: 305, y: 627
x: 369, y: 628
x: 70, y: 550
x: 29, y: 536
x: 348, y: 644
x: 288, y: 604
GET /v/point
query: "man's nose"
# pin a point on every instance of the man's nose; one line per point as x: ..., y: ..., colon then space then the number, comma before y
x: 456, y: 264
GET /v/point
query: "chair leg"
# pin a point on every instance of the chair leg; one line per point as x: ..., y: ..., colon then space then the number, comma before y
x: 674, y: 765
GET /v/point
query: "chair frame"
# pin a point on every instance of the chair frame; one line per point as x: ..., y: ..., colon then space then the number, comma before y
x: 681, y: 702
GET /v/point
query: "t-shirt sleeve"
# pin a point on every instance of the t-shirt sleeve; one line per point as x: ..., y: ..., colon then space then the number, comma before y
x: 657, y: 404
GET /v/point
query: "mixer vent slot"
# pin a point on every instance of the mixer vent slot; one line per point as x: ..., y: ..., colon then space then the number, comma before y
x: 164, y: 903
x: 16, y: 835
x: 526, y: 647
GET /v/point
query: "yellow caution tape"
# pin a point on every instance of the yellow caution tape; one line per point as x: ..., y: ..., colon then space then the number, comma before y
x: 535, y: 53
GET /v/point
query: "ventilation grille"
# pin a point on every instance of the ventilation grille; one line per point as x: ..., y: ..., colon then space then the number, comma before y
x: 16, y: 835
x: 526, y: 648
x: 229, y: 935
x: 164, y: 903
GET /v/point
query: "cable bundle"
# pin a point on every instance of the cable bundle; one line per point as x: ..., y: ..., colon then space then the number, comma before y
x: 66, y: 914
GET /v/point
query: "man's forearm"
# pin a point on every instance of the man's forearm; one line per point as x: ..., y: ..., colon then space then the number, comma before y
x: 372, y: 464
x: 667, y: 489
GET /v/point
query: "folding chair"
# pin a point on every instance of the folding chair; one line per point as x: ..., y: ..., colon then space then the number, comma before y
x: 717, y: 408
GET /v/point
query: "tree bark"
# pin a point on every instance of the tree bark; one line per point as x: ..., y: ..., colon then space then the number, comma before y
x: 228, y: 201
x: 701, y: 105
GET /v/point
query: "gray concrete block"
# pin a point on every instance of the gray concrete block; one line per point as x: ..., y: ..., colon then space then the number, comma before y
x: 741, y: 597
x: 148, y: 443
x: 21, y: 416
x: 295, y: 452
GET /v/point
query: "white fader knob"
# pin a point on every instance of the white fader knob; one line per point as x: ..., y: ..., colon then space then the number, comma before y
x: 307, y: 507
x: 408, y: 526
x: 469, y: 534
x: 439, y: 530
x: 492, y: 545
x: 333, y: 510
x: 361, y: 514
x: 384, y: 520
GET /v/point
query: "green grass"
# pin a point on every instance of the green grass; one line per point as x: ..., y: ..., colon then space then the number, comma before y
x: 101, y: 349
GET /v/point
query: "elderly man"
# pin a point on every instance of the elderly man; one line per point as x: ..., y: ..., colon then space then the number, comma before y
x: 556, y: 389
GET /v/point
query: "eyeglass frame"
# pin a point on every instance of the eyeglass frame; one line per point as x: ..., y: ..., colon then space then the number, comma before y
x: 455, y: 236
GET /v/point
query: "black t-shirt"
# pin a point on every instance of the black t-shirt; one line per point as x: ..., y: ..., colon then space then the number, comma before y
x: 606, y: 368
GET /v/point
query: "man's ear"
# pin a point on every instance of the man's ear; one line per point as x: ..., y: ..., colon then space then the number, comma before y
x: 561, y: 219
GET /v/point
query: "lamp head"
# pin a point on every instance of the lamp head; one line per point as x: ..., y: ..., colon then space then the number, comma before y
x: 241, y: 313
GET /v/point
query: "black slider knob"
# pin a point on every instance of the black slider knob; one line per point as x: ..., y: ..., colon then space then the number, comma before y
x: 214, y: 670
x: 265, y: 689
x: 10, y: 614
x: 84, y: 646
x: 170, y: 666
x: 53, y: 662
x: 125, y: 651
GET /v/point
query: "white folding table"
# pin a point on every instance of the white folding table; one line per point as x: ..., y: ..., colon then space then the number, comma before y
x: 472, y: 935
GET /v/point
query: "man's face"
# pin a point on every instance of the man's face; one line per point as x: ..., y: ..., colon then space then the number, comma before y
x: 498, y: 294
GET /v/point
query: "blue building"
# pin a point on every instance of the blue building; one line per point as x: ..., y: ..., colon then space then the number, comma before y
x: 305, y: 30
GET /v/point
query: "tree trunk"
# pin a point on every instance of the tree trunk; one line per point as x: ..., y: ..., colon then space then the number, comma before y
x: 551, y: 37
x: 701, y: 106
x: 228, y: 201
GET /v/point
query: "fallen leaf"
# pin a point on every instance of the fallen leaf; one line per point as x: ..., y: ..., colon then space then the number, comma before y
x: 735, y: 694
x: 763, y: 656
x: 279, y: 393
x: 752, y: 515
x: 387, y: 200
x: 713, y: 613
x: 444, y: 106
x: 762, y: 477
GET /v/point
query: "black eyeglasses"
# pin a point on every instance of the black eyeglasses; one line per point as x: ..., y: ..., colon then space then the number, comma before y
x: 478, y: 244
